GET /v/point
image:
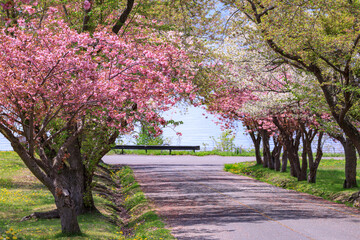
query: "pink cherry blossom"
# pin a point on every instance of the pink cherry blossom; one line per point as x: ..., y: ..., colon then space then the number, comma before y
x: 57, y: 75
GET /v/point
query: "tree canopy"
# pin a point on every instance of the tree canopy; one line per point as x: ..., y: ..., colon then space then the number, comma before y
x: 67, y: 94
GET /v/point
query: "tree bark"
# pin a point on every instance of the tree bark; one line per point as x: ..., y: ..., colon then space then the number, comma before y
x: 123, y: 17
x: 304, y: 165
x: 75, y: 173
x: 284, y: 161
x: 275, y: 154
x: 69, y: 189
x: 291, y: 141
x: 266, y: 150
x: 350, y: 164
x: 256, y: 139
x: 293, y: 171
x: 350, y: 160
x: 313, y: 165
x: 67, y: 211
x: 292, y: 146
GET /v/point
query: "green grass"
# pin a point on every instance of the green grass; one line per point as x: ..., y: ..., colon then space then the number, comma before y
x: 244, y: 153
x: 22, y: 194
x: 329, y: 183
x: 332, y: 155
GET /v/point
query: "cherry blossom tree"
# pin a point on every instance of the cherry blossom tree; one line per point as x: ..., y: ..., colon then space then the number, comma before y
x: 270, y: 101
x: 58, y: 86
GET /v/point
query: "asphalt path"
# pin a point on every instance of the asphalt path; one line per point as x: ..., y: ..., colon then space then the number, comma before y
x: 198, y: 200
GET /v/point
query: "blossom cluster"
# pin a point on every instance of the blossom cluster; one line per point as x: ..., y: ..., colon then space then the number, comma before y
x: 254, y: 90
x: 54, y: 73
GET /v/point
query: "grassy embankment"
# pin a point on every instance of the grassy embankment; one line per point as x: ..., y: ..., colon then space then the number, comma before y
x: 22, y: 194
x: 143, y: 221
x: 329, y: 183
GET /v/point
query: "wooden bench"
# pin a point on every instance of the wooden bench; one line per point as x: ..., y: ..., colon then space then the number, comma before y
x: 145, y: 147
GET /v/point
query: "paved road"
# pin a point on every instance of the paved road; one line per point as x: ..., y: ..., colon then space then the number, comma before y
x: 200, y: 201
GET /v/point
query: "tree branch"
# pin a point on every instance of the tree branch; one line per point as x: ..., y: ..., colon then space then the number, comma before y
x: 67, y: 14
x: 30, y: 162
x: 67, y: 125
x: 266, y: 11
x: 48, y: 118
x: 327, y: 61
x: 123, y: 17
x: 70, y: 140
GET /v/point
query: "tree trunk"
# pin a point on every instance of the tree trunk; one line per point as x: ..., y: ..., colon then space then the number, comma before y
x: 67, y: 211
x: 350, y: 164
x: 256, y: 139
x: 293, y: 171
x: 312, y: 175
x: 91, y: 156
x: 68, y: 198
x: 75, y: 173
x: 275, y: 154
x: 292, y: 147
x: 313, y: 165
x: 350, y: 160
x: 266, y: 150
x: 69, y: 190
x: 307, y: 151
x: 284, y: 161
x: 291, y: 142
x: 304, y: 166
x: 304, y: 163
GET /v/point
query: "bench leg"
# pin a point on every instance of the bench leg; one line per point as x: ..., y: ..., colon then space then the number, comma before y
x: 170, y: 151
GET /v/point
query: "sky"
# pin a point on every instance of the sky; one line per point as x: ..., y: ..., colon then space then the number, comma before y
x: 199, y: 129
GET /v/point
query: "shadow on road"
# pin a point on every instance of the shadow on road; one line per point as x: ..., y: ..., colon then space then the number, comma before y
x: 200, y: 201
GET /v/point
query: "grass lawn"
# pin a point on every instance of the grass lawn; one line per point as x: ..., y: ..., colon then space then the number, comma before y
x: 329, y: 183
x: 22, y: 194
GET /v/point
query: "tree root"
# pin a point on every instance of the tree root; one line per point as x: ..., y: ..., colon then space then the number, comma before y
x: 42, y: 215
x: 355, y: 199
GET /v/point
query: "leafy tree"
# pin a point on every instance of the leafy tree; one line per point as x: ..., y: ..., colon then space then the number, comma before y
x: 225, y: 142
x: 270, y: 101
x: 148, y: 136
x: 317, y: 37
